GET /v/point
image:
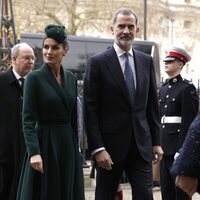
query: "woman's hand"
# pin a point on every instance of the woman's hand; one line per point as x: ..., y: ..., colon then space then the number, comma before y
x: 36, y: 163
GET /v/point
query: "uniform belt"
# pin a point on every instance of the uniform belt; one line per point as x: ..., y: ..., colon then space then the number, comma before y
x: 170, y: 119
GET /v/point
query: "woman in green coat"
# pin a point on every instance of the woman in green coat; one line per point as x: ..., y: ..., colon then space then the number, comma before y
x: 52, y: 167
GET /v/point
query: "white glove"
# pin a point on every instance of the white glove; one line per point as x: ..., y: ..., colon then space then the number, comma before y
x: 176, y: 155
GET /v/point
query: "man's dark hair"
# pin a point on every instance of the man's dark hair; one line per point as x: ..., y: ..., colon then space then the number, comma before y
x: 124, y: 11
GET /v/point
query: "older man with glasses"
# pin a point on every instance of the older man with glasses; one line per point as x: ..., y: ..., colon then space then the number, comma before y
x: 12, y: 145
x: 178, y: 107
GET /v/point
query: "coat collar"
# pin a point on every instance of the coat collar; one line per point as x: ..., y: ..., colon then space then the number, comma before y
x: 52, y: 80
x: 175, y: 80
x: 12, y: 79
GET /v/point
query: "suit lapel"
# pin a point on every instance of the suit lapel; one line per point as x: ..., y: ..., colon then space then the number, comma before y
x: 53, y: 82
x: 66, y: 88
x: 12, y: 79
x: 116, y: 71
x: 139, y: 70
x: 117, y: 74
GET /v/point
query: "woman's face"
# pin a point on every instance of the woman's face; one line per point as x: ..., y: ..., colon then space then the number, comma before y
x: 53, y: 52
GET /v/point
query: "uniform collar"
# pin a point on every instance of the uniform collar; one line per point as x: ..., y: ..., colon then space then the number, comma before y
x: 175, y: 79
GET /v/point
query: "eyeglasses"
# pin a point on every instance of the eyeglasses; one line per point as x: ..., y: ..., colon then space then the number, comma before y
x: 28, y: 58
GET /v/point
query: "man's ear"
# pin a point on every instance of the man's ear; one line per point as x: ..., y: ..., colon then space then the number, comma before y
x: 14, y: 59
x: 112, y: 29
x: 137, y: 30
x: 65, y: 52
x: 181, y: 65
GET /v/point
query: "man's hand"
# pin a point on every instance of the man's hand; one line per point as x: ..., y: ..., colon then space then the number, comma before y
x: 157, y: 154
x: 36, y: 163
x: 187, y: 184
x: 104, y: 160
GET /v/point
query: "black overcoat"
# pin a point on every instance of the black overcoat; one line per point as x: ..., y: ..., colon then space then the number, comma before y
x: 11, y: 137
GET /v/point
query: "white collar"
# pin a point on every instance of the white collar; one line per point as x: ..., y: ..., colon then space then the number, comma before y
x: 120, y: 51
x: 17, y: 75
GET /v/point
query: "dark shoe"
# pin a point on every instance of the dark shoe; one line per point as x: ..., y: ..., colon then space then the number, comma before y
x: 119, y: 195
x: 156, y: 184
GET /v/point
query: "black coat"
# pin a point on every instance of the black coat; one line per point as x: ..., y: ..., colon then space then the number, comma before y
x: 11, y: 138
x: 177, y: 97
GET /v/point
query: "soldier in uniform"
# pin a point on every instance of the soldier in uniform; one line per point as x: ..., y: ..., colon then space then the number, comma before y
x: 178, y: 107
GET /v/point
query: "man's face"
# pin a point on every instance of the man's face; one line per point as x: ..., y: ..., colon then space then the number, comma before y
x: 24, y: 62
x: 125, y: 30
x: 173, y: 67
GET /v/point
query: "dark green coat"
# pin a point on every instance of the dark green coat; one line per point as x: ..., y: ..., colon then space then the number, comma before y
x: 50, y: 129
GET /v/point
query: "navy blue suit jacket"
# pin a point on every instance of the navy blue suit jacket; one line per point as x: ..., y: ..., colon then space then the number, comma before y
x: 188, y: 161
x: 111, y: 120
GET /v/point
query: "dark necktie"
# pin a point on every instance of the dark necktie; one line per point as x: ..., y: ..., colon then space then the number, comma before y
x: 128, y: 73
x: 22, y: 83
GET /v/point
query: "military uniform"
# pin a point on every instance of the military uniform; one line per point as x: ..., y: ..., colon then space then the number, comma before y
x: 179, y: 104
x: 178, y: 107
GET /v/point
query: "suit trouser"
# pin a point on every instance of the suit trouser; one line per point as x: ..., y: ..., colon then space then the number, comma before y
x: 139, y: 173
x: 168, y: 189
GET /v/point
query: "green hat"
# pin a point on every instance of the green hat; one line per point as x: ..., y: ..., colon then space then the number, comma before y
x: 57, y: 32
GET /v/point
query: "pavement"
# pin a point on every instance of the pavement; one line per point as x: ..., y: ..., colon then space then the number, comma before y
x: 89, y: 193
x: 90, y: 189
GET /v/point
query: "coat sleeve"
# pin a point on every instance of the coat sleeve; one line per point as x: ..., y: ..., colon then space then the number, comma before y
x: 190, y: 102
x: 91, y: 105
x: 188, y: 161
x: 30, y: 116
x: 153, y: 109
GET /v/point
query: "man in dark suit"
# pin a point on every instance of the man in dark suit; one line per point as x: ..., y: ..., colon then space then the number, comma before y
x: 12, y: 145
x: 122, y: 125
x: 178, y: 107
